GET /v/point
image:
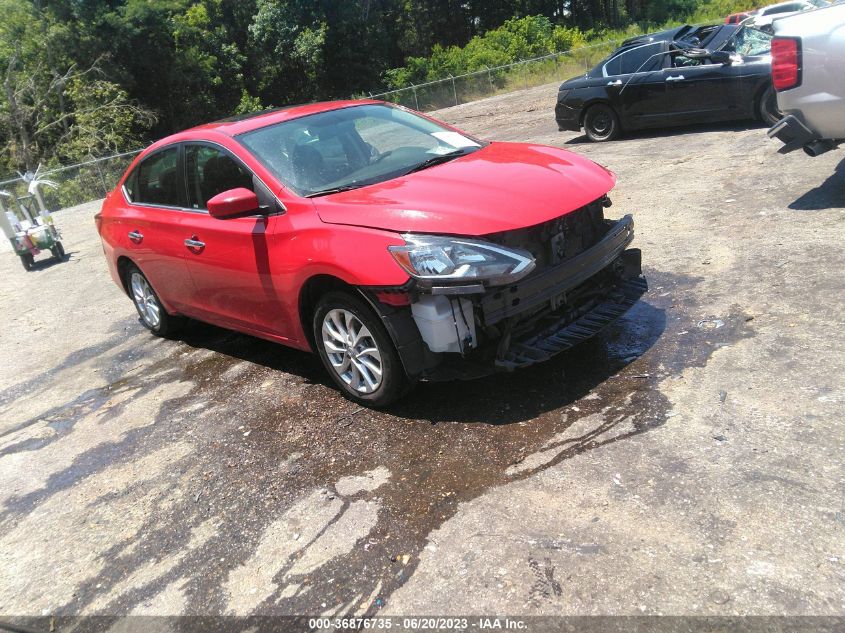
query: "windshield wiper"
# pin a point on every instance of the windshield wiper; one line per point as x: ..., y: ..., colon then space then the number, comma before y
x: 326, y: 192
x: 436, y: 160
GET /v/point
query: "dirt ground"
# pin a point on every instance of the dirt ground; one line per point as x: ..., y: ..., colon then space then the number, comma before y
x: 689, y: 461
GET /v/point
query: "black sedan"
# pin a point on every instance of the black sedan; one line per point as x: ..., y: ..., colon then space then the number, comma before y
x: 675, y: 77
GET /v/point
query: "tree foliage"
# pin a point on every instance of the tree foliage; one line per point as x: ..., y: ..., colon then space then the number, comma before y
x: 95, y: 76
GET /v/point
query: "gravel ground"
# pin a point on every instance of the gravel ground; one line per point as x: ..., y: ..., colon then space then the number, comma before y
x: 689, y: 461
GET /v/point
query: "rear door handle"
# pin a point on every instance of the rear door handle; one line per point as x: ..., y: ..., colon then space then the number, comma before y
x: 135, y: 236
x: 675, y: 78
x: 194, y: 243
x: 618, y: 82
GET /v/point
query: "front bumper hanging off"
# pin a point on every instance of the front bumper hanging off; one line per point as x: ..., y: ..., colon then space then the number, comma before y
x: 562, y: 335
x: 585, y: 294
x: 536, y: 318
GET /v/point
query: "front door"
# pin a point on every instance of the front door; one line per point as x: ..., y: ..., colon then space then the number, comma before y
x: 698, y: 90
x: 230, y: 261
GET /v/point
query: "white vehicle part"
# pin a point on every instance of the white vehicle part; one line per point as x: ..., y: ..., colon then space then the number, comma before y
x: 819, y: 101
x: 446, y: 325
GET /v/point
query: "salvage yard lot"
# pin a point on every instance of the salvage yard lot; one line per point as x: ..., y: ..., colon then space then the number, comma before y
x: 689, y: 461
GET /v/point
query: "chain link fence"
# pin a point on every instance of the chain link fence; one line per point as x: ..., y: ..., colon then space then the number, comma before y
x: 459, y: 89
x: 75, y: 184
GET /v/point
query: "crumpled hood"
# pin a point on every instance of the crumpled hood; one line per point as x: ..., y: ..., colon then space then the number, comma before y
x: 501, y: 187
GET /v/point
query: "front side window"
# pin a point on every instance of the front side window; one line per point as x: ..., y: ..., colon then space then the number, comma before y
x: 682, y: 61
x: 210, y: 171
x: 352, y: 147
x: 156, y: 180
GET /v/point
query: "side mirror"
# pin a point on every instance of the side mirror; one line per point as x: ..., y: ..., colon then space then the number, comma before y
x: 234, y: 203
x: 721, y: 57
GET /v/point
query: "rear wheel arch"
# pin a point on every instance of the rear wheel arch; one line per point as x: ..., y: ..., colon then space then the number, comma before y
x: 760, y: 107
x: 124, y: 263
x: 161, y: 322
x: 758, y: 94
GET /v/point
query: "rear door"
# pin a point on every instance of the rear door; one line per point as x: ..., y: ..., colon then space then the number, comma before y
x: 148, y: 225
x: 230, y: 261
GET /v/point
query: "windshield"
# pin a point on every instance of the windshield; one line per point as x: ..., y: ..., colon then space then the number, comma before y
x: 352, y: 147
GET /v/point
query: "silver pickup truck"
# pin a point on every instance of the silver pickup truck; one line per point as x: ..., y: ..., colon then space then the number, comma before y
x: 808, y: 72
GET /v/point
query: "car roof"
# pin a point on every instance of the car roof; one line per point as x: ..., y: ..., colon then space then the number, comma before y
x: 239, y: 124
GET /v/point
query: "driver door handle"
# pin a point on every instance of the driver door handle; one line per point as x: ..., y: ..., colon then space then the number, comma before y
x: 675, y: 78
x: 135, y: 236
x: 618, y: 82
x: 193, y: 243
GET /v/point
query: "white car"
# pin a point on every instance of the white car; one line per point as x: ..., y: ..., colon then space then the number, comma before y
x: 808, y: 67
x: 763, y: 18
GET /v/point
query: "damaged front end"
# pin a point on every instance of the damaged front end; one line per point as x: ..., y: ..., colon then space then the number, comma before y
x: 514, y: 298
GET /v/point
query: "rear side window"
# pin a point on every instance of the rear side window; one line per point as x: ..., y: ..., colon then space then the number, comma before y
x: 156, y: 180
x: 211, y: 171
x: 641, y: 59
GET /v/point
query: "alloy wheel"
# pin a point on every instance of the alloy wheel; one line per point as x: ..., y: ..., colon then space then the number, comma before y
x: 352, y: 350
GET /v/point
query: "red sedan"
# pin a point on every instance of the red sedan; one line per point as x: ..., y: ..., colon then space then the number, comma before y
x: 395, y: 246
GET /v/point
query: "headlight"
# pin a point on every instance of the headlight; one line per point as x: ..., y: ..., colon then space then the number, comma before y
x: 562, y: 94
x: 454, y: 259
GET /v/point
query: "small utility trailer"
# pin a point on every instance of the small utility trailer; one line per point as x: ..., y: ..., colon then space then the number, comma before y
x: 30, y: 233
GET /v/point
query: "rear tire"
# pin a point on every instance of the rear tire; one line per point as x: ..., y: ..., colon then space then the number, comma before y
x: 28, y: 261
x: 153, y: 315
x: 357, y: 351
x: 601, y: 123
x: 767, y: 108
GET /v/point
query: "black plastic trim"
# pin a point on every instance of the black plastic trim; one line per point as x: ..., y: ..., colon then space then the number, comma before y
x: 561, y: 336
x: 416, y: 358
x: 792, y: 133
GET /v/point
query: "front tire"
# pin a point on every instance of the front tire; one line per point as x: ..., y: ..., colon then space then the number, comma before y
x: 601, y: 123
x: 28, y: 261
x: 153, y: 315
x: 768, y: 107
x: 357, y: 351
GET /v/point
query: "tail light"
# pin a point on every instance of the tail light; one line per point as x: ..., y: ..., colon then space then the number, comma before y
x: 786, y: 63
